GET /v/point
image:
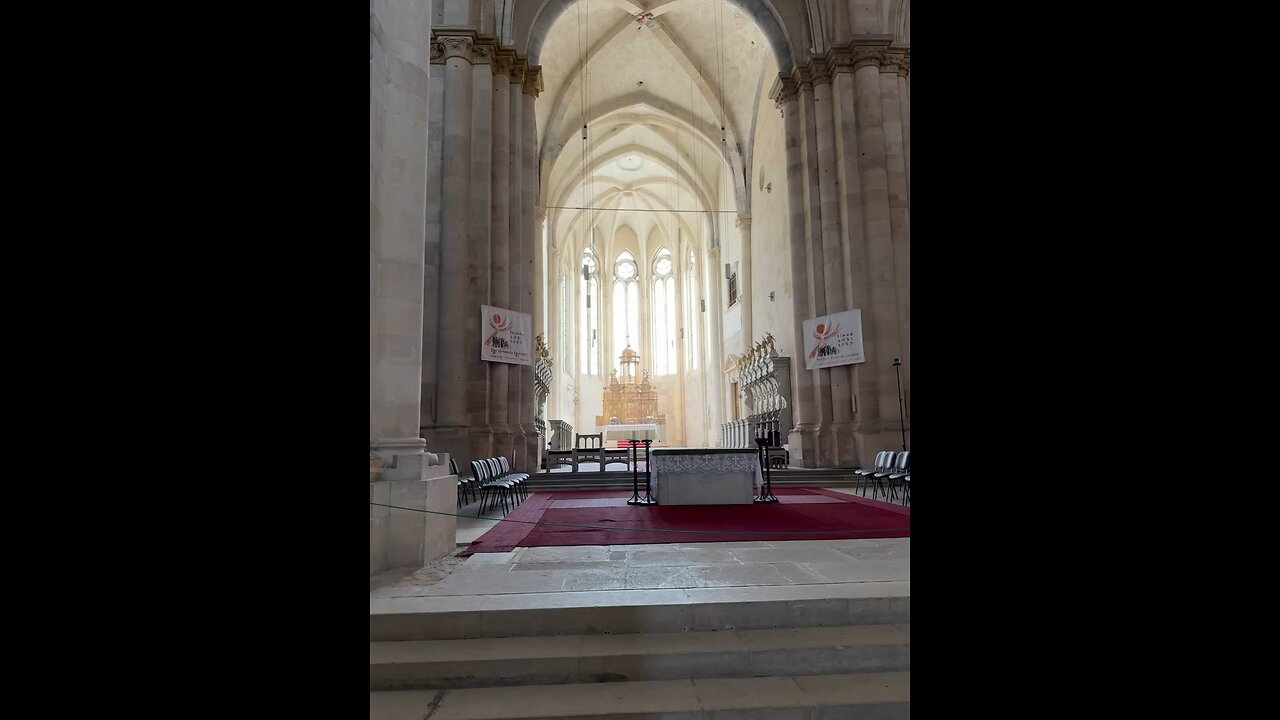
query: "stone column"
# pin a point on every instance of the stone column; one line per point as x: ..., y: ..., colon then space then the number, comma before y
x: 532, y: 455
x: 479, y: 434
x: 540, y: 288
x: 555, y: 316
x: 540, y: 293
x: 904, y: 98
x: 893, y: 77
x: 449, y: 433
x: 515, y: 179
x: 401, y: 473
x: 803, y: 437
x: 499, y: 214
x: 817, y: 261
x: 843, y: 451
x: 857, y: 295
x: 397, y: 222
x: 744, y: 280
x: 717, y: 381
x: 877, y: 425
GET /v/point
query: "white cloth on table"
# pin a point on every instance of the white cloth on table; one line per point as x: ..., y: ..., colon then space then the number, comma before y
x: 706, y: 479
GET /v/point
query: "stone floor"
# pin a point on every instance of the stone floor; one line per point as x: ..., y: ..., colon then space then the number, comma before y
x: 591, y: 568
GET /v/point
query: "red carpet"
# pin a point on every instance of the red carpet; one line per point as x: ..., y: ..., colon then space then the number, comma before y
x: 800, y: 514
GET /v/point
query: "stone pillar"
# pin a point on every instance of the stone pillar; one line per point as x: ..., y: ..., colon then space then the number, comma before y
x: 717, y: 381
x: 397, y: 222
x: 449, y: 433
x: 892, y: 79
x: 817, y: 261
x: 802, y: 438
x: 531, y: 455
x: 401, y: 472
x: 499, y: 213
x: 744, y: 280
x: 857, y: 295
x: 479, y: 434
x: 515, y: 176
x: 843, y: 449
x: 877, y: 424
x: 540, y: 289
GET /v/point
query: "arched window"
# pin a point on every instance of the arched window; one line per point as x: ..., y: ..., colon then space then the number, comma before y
x: 664, y: 314
x: 565, y: 348
x: 590, y: 313
x: 695, y: 308
x: 626, y: 302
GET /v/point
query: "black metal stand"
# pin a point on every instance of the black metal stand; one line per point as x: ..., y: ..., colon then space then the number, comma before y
x: 766, y: 490
x: 902, y: 411
x: 635, y: 476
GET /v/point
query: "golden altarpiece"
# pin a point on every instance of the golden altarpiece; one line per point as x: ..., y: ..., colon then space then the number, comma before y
x: 630, y: 399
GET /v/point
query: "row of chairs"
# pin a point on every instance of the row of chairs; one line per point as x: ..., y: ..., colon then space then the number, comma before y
x: 891, y: 471
x: 492, y: 482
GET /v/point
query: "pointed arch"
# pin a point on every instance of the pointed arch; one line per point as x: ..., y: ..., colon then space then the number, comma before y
x: 590, y: 299
x: 663, y: 312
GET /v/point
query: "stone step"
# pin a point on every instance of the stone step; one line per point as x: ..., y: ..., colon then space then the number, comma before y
x: 855, y: 696
x: 487, y: 662
x: 639, y: 611
x: 621, y: 480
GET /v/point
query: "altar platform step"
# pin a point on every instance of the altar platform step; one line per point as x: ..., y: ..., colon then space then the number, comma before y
x: 597, y: 612
x: 847, y: 696
x: 486, y: 662
x: 835, y: 650
x: 619, y: 479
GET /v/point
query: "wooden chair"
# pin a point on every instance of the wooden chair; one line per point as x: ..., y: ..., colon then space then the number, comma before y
x: 590, y: 447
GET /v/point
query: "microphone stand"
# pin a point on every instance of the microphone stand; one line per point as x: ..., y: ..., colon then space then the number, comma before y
x: 902, y: 411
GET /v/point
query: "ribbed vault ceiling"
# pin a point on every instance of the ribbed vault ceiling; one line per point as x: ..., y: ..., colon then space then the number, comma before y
x: 669, y: 109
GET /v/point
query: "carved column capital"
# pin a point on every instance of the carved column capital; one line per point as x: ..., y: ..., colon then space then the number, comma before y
x: 784, y: 90
x: 482, y: 50
x: 803, y: 79
x: 867, y: 56
x: 518, y: 67
x: 455, y: 46
x: 897, y: 59
x: 744, y: 222
x: 502, y: 60
x: 533, y: 81
x: 540, y: 213
x: 818, y: 72
x: 839, y: 60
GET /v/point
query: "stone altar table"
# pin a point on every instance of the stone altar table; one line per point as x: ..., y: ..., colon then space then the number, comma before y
x: 705, y: 476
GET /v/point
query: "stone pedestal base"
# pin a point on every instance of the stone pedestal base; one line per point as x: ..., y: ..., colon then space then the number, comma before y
x: 874, y: 436
x: 503, y: 444
x: 480, y: 442
x: 405, y: 538
x: 451, y: 439
x: 842, y: 441
x: 803, y: 446
x: 518, y: 450
x: 533, y: 447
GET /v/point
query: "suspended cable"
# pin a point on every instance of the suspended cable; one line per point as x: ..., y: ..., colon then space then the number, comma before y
x: 582, y: 116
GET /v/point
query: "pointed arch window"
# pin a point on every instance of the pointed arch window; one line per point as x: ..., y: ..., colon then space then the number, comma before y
x: 664, y: 314
x: 626, y: 302
x: 566, y: 350
x: 691, y: 302
x: 590, y: 313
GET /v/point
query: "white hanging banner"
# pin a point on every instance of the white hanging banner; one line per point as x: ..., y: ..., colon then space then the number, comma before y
x: 832, y: 340
x: 506, y: 336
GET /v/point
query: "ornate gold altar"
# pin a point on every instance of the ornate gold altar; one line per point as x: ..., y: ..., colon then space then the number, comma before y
x: 630, y: 400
